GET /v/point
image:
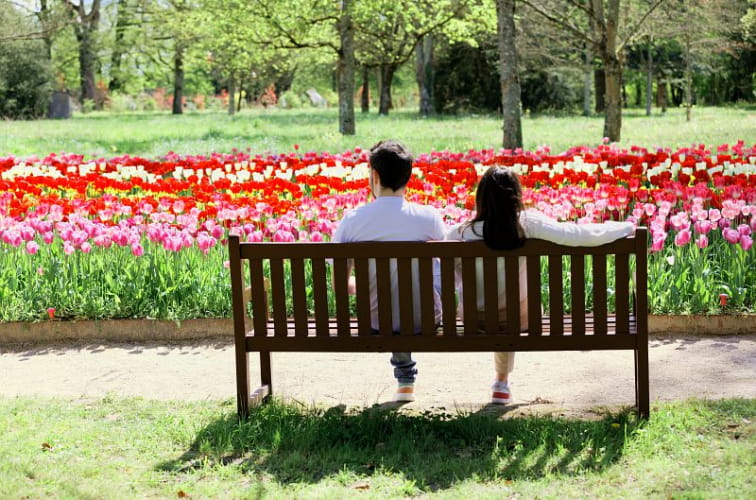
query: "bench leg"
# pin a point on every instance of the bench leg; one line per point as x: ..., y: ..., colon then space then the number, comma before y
x: 242, y: 383
x: 641, y: 381
x: 265, y: 374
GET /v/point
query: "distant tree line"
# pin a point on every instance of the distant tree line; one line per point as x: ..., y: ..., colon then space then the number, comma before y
x: 513, y: 57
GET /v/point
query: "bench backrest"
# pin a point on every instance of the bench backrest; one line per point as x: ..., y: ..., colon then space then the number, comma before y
x: 291, y: 290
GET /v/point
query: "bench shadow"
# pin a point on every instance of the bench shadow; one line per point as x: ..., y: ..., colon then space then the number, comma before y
x: 435, y: 450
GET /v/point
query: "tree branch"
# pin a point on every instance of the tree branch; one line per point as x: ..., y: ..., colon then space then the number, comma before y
x: 560, y: 21
x: 634, y: 29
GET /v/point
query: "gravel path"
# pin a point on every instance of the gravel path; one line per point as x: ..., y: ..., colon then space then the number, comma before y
x: 708, y: 367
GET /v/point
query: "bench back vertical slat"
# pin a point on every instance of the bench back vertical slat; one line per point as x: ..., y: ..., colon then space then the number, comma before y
x: 299, y: 296
x: 599, y: 294
x: 556, y: 299
x: 577, y: 292
x: 406, y: 309
x: 278, y: 293
x: 534, y: 295
x: 622, y: 293
x: 259, y: 300
x: 491, y: 293
x: 383, y: 278
x: 341, y: 294
x: 512, y: 276
x: 448, y: 301
x: 320, y: 296
x: 427, y: 290
x: 469, y: 295
x: 362, y: 279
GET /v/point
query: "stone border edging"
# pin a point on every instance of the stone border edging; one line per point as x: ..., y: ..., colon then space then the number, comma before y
x: 144, y: 330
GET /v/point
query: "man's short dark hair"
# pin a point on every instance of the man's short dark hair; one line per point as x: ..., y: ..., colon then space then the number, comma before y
x: 393, y: 162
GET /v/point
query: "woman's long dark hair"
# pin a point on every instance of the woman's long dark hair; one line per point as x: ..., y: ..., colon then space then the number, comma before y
x: 498, y: 202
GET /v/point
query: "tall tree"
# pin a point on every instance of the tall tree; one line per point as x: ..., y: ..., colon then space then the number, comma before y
x: 510, y: 77
x: 85, y: 25
x: 608, y: 30
x: 424, y: 74
x: 389, y: 32
x: 317, y: 26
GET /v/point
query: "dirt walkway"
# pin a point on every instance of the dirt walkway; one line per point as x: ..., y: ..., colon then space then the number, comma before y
x: 708, y: 367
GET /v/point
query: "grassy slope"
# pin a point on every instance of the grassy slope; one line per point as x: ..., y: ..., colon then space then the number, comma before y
x: 131, y: 448
x: 154, y: 134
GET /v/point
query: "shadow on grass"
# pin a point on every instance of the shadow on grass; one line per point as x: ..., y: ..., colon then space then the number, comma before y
x: 434, y: 450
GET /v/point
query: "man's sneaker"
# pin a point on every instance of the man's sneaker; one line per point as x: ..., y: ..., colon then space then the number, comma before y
x: 405, y: 392
x: 501, y: 393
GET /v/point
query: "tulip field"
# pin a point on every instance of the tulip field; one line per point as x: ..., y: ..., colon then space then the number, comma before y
x: 129, y: 237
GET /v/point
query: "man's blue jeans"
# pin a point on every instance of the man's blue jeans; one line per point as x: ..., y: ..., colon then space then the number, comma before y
x: 404, y: 367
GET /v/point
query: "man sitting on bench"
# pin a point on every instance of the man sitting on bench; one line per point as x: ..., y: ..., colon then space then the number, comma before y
x: 389, y: 217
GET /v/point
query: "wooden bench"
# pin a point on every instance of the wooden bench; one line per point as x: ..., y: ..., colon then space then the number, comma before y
x: 296, y: 306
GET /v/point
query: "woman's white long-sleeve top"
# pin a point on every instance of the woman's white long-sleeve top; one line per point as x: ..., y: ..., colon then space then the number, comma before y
x: 535, y: 224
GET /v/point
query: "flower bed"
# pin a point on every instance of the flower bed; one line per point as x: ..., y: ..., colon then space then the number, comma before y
x: 129, y: 237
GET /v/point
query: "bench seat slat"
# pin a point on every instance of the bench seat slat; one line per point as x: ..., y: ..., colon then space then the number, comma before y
x: 311, y: 329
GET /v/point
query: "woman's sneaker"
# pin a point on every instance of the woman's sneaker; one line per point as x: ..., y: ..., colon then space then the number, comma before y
x: 501, y: 393
x: 405, y: 392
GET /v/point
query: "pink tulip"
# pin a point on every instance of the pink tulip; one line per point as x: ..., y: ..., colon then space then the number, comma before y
x: 714, y: 215
x: 86, y: 247
x: 702, y: 241
x: 744, y: 229
x: 68, y: 249
x: 702, y: 226
x: 32, y: 247
x: 658, y: 241
x: 682, y: 238
x: 731, y: 235
x: 746, y: 242
x: 137, y: 250
x: 316, y: 236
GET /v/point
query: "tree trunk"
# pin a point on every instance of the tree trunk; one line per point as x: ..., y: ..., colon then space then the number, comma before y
x: 387, y: 75
x: 587, y: 82
x: 661, y: 94
x: 178, y: 81
x: 44, y: 19
x: 599, y: 81
x: 231, y: 93
x: 86, y: 64
x: 612, y: 59
x: 510, y: 78
x: 649, y: 77
x: 365, y: 98
x: 613, y: 111
x: 424, y: 74
x: 688, y: 81
x: 85, y: 26
x: 346, y: 70
x: 122, y: 21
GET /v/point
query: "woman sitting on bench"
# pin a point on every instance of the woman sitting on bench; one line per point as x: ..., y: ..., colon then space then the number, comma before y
x: 502, y: 223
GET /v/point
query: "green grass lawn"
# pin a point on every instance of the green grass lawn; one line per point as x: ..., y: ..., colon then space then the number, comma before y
x: 132, y: 448
x: 272, y: 130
